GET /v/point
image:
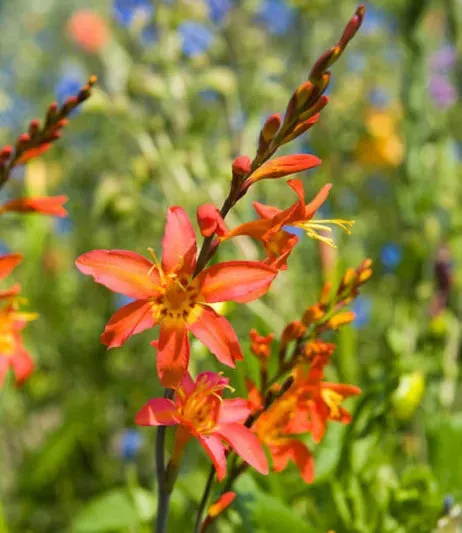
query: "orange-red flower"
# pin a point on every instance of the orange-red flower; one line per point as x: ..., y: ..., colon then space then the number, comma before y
x: 88, y: 29
x: 270, y: 229
x: 200, y: 412
x: 12, y: 351
x: 168, y: 294
x: 283, y: 166
x: 48, y: 205
x: 274, y: 428
x: 260, y: 346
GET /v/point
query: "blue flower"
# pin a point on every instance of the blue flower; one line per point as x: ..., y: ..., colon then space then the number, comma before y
x: 130, y: 443
x: 196, y: 38
x: 362, y: 307
x: 63, y: 225
x: 125, y: 11
x: 277, y: 16
x: 218, y: 9
x: 69, y: 84
x: 148, y: 35
x: 391, y: 255
x: 299, y: 232
x: 379, y: 98
x: 121, y: 300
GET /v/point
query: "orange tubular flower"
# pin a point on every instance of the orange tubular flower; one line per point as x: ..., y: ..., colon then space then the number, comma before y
x: 200, y: 411
x: 12, y: 352
x: 48, y: 205
x: 283, y: 166
x: 319, y: 401
x: 168, y: 294
x: 273, y: 428
x: 270, y: 228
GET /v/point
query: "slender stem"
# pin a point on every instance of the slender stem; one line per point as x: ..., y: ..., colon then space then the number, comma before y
x: 205, y: 497
x: 163, y: 498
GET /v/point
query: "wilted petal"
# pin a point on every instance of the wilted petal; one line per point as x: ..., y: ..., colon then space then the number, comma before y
x: 218, y: 335
x: 129, y: 320
x: 216, y: 451
x: 178, y: 243
x: 238, y: 281
x: 172, y: 353
x: 48, y: 205
x: 283, y: 166
x: 157, y: 412
x: 245, y: 444
x: 121, y: 271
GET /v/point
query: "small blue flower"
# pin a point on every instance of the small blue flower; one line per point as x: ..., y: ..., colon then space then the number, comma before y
x: 148, y: 35
x: 299, y: 232
x: 218, y: 9
x: 4, y: 248
x: 391, y: 255
x: 379, y: 98
x: 130, y: 443
x: 69, y: 84
x: 277, y: 16
x: 196, y: 38
x: 362, y: 307
x: 63, y: 225
x: 125, y: 11
x: 121, y: 300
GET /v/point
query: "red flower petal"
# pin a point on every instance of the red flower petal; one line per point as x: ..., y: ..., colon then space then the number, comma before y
x: 121, y: 271
x: 218, y: 335
x: 221, y: 504
x: 33, y: 152
x: 235, y: 410
x: 22, y: 365
x: 265, y: 211
x: 157, y: 412
x: 319, y: 199
x: 8, y: 263
x: 302, y: 457
x: 12, y: 291
x: 216, y: 451
x: 129, y: 320
x: 283, y: 166
x: 178, y: 243
x: 48, y: 205
x: 246, y: 444
x: 172, y: 353
x: 238, y: 281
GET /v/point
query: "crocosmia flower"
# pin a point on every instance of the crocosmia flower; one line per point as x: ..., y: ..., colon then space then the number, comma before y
x: 200, y: 412
x: 168, y: 294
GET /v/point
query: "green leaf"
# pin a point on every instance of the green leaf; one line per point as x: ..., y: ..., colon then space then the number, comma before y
x: 112, y: 511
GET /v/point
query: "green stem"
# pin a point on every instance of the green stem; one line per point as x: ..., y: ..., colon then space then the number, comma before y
x: 163, y: 498
x: 205, y: 497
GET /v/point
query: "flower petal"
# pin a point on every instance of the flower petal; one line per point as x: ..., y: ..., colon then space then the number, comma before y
x: 234, y: 410
x: 22, y: 365
x: 265, y: 211
x: 216, y: 451
x: 283, y: 166
x: 238, y: 281
x: 129, y: 320
x: 217, y: 334
x: 318, y: 200
x: 179, y: 243
x: 246, y: 444
x: 302, y: 457
x: 173, y: 353
x: 157, y: 412
x: 8, y: 263
x: 121, y: 271
x: 48, y: 205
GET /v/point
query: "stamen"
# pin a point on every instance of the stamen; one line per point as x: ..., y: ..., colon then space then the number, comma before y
x: 156, y: 264
x: 315, y: 228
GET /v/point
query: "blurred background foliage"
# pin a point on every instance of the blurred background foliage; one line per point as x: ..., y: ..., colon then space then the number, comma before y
x: 184, y: 88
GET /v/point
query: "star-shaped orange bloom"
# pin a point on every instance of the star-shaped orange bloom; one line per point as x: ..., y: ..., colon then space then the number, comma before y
x: 271, y: 228
x: 200, y: 412
x: 169, y: 294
